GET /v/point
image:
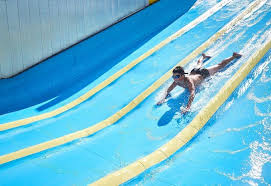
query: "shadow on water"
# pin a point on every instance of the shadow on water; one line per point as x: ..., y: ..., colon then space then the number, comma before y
x: 174, y: 104
x: 65, y: 74
x: 181, y: 100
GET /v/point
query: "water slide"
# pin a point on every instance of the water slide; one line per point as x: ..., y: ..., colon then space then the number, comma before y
x: 118, y: 123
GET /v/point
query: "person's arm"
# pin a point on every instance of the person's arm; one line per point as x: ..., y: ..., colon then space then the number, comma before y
x: 191, y: 88
x: 170, y: 88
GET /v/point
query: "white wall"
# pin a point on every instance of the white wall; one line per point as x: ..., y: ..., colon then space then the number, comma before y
x: 31, y: 30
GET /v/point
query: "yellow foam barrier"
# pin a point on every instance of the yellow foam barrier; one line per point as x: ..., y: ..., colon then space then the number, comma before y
x: 112, y: 119
x: 152, y: 1
x: 22, y: 122
x: 192, y: 129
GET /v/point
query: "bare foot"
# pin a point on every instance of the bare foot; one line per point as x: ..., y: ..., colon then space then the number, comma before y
x: 236, y: 55
x: 205, y: 56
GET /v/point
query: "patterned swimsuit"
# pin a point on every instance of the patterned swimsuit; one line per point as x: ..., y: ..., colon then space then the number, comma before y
x: 202, y: 71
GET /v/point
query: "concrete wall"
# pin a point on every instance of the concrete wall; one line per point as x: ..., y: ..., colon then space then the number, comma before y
x: 32, y: 30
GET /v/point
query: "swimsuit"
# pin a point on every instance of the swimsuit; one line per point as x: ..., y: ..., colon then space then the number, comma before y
x: 202, y: 71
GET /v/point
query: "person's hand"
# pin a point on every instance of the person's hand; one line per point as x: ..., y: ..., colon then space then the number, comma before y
x: 184, y: 110
x: 160, y: 102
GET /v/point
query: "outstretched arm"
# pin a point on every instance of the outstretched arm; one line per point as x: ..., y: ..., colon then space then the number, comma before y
x: 191, y: 88
x: 170, y: 88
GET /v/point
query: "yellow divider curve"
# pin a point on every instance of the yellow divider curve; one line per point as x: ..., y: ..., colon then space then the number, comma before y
x: 139, y: 166
x: 112, y: 119
x: 152, y: 1
x: 22, y: 122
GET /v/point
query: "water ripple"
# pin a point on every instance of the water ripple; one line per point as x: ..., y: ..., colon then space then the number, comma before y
x: 256, y: 99
x: 228, y: 130
x: 259, y: 113
x: 230, y: 151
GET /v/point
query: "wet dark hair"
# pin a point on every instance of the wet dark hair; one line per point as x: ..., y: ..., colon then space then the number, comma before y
x: 179, y: 70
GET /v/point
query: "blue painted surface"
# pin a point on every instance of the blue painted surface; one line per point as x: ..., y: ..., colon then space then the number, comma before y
x: 130, y: 85
x: 65, y: 77
x: 125, y: 89
x: 148, y: 127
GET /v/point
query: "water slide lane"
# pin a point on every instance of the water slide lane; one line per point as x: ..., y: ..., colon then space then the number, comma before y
x: 263, y: 44
x: 82, y: 158
x: 168, y: 34
x: 234, y: 147
x: 130, y: 85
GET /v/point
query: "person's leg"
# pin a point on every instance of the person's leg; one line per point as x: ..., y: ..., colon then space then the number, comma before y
x: 202, y: 59
x: 213, y: 69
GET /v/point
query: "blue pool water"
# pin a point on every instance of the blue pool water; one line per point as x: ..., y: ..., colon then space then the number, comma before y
x: 234, y: 147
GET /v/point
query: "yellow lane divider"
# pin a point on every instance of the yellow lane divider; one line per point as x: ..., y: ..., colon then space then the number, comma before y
x: 112, y: 119
x: 152, y: 1
x: 115, y: 76
x: 123, y: 175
